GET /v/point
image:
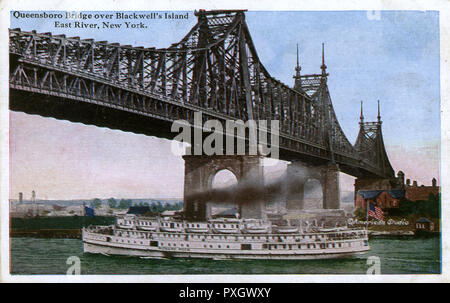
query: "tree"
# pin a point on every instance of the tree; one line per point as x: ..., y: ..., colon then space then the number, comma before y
x: 112, y: 203
x: 124, y: 204
x: 434, y: 209
x: 96, y: 203
x: 360, y: 213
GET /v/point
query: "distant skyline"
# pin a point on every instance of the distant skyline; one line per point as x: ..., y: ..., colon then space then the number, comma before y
x: 394, y: 59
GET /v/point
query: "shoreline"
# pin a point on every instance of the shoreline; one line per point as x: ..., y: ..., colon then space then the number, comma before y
x: 46, y: 233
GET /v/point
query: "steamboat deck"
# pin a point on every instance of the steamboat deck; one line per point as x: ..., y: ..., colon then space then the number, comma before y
x: 220, y: 239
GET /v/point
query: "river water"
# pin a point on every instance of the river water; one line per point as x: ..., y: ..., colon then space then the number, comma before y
x: 30, y: 256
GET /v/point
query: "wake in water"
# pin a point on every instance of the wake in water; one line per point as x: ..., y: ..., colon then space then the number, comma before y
x: 412, y: 260
x: 153, y: 258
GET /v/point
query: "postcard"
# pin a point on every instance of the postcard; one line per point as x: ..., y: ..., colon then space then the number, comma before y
x: 225, y: 142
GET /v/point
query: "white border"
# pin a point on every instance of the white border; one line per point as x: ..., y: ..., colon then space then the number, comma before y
x: 6, y: 5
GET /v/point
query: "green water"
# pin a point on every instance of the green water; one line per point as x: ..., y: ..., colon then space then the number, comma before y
x: 49, y: 256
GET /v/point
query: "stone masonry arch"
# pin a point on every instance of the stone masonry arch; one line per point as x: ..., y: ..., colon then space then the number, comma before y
x: 199, y: 173
x: 300, y: 173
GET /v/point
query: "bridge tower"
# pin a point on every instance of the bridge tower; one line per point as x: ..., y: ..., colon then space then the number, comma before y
x: 370, y: 146
x: 299, y: 173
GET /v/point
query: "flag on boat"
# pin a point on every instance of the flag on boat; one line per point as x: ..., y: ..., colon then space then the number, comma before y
x: 89, y: 212
x: 375, y: 212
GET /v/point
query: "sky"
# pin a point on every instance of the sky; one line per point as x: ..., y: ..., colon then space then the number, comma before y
x: 392, y: 57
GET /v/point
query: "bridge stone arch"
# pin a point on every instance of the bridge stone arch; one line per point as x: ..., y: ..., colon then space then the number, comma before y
x: 299, y: 174
x: 199, y: 172
x: 214, y: 173
x: 222, y: 179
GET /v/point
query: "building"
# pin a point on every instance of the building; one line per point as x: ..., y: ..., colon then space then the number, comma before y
x: 385, y: 196
x: 416, y: 193
x: 382, y: 198
x: 423, y: 224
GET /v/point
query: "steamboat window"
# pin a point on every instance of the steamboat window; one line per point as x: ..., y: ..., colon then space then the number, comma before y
x: 246, y: 247
x: 228, y: 246
x: 154, y: 243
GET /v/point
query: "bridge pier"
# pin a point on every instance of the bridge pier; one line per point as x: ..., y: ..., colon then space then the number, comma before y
x: 199, y: 173
x: 330, y: 187
x: 299, y: 174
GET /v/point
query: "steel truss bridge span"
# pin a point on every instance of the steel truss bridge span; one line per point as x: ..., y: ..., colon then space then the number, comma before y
x: 214, y: 69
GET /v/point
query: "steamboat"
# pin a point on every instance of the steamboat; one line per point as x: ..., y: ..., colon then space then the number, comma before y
x: 223, y: 238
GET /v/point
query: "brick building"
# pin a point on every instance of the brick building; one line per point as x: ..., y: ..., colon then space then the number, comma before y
x: 415, y: 193
x: 390, y: 198
x: 382, y: 198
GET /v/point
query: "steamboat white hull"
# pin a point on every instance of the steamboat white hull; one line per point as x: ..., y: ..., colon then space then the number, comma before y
x: 264, y: 255
x: 109, y: 245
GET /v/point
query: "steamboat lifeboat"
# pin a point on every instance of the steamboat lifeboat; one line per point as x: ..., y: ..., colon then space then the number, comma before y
x: 255, y: 227
x: 148, y: 225
x: 126, y: 222
x: 286, y: 229
x: 171, y: 226
x: 196, y: 227
x: 226, y: 226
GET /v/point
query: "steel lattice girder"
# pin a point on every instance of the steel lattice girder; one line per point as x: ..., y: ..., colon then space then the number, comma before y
x: 214, y: 69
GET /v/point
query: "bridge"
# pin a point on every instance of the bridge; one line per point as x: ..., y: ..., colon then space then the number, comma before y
x: 215, y: 70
